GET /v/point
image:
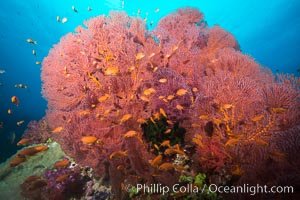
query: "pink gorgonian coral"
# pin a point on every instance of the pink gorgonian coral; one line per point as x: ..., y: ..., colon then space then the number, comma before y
x: 114, y: 75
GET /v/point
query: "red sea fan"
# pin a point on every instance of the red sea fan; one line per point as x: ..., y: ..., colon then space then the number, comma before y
x: 218, y: 38
x: 282, y: 97
x: 37, y: 131
x: 176, y: 25
x: 108, y: 78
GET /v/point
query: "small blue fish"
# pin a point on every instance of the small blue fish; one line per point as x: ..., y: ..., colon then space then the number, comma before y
x: 20, y: 85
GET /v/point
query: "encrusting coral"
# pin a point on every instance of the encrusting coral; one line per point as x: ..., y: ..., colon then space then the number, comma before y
x: 32, y: 166
x: 114, y: 79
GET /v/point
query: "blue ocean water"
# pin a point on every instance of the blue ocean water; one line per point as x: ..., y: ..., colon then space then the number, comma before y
x: 267, y: 30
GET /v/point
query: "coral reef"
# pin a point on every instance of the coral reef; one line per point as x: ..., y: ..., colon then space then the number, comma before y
x: 13, y: 177
x: 37, y: 132
x: 114, y: 80
x: 49, y: 175
x: 65, y: 183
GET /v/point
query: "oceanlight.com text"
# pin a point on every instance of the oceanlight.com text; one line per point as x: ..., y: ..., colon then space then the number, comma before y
x: 251, y: 189
x: 212, y: 188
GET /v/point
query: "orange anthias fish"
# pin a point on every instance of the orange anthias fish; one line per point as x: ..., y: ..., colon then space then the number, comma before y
x: 156, y: 147
x: 278, y: 110
x: 257, y: 118
x: 227, y: 106
x: 181, y: 92
x: 130, y: 134
x: 139, y: 56
x: 194, y: 89
x: 62, y: 178
x: 163, y: 112
x: 41, y: 148
x: 103, y: 98
x: 204, y: 117
x: 112, y: 70
x: 179, y: 167
x: 238, y: 171
x: 170, y: 97
x: 120, y: 167
x: 117, y: 155
x: 196, y: 125
x: 144, y: 98
x: 141, y: 121
x: 156, y: 116
x: 15, y: 100
x: 27, y: 152
x: 85, y: 112
x: 57, y: 129
x: 179, y: 107
x: 198, y: 140
x: 156, y: 161
x: 62, y: 164
x: 16, y: 161
x: 170, y: 151
x: 31, y: 178
x: 175, y: 47
x: 169, y: 122
x: 165, y: 143
x: 166, y: 166
x: 168, y: 131
x: 32, y: 151
x: 9, y: 111
x: 89, y: 140
x: 23, y: 142
x: 149, y: 91
x: 163, y: 80
x: 125, y: 118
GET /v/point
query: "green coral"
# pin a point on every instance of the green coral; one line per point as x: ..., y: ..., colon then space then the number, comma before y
x: 199, y: 181
x: 133, y: 191
x: 49, y: 140
x: 154, y: 132
x: 186, y: 179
